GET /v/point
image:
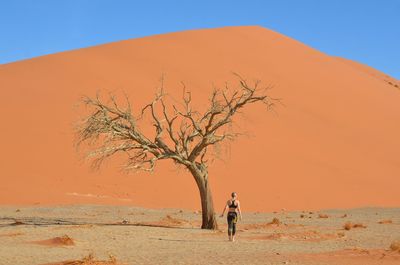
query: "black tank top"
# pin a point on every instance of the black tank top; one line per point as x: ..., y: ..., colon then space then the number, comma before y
x: 232, y: 205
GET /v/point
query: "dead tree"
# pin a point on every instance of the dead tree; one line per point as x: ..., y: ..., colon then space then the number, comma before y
x: 181, y: 133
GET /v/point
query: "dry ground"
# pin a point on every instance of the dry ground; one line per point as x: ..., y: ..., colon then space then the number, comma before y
x: 127, y: 235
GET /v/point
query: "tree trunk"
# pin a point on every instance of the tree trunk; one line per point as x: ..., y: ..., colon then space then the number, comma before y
x: 207, y: 204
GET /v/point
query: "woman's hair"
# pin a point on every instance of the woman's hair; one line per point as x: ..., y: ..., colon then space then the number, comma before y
x: 233, y: 194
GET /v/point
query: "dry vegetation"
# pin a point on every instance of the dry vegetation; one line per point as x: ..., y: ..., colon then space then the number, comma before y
x: 311, y: 236
x: 89, y: 260
x: 358, y: 250
x: 275, y: 221
x: 349, y: 226
x: 64, y: 240
x: 321, y: 215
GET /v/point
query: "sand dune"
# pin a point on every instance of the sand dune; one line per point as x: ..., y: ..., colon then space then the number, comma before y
x: 335, y: 143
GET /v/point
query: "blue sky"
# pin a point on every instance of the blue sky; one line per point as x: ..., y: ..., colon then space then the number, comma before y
x: 364, y: 30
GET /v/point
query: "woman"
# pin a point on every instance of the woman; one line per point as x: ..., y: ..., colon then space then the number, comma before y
x: 233, y: 206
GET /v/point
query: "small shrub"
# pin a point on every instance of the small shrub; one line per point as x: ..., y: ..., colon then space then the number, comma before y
x: 64, y: 240
x: 90, y: 260
x: 275, y: 221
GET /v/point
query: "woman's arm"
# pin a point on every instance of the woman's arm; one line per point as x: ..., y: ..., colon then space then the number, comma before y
x: 239, y: 210
x: 223, y: 212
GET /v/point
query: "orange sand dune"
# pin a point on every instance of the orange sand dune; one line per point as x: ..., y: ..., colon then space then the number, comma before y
x: 335, y: 143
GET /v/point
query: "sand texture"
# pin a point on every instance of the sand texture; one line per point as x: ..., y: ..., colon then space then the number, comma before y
x: 171, y: 236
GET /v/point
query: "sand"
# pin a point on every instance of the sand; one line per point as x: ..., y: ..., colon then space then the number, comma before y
x: 133, y: 235
x: 334, y: 144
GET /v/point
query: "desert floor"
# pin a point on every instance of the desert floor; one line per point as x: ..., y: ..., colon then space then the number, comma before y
x: 130, y: 235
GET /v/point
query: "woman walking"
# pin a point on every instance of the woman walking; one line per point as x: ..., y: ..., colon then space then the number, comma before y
x: 233, y: 207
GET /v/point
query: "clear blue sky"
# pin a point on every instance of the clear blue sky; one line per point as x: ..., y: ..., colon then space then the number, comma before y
x: 364, y: 30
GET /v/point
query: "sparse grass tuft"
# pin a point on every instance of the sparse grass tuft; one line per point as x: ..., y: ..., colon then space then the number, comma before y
x: 90, y: 260
x: 359, y: 250
x: 64, y: 240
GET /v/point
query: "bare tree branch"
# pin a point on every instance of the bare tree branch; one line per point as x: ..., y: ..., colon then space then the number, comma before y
x: 182, y: 134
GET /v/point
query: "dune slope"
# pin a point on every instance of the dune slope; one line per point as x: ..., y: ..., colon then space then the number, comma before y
x: 334, y: 143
